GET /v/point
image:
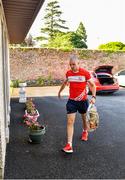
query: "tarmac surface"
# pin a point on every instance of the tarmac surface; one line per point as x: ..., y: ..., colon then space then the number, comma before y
x: 101, y: 157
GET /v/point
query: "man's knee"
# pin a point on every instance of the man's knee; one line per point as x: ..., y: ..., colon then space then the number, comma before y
x: 70, y: 120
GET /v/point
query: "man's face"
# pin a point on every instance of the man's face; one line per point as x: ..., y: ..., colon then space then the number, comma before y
x: 74, y: 65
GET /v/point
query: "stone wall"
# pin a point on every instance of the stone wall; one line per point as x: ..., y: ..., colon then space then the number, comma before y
x: 31, y: 63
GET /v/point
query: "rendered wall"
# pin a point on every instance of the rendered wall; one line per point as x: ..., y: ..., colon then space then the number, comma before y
x: 4, y: 91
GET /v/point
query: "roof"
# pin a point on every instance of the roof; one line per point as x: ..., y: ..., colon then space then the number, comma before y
x: 20, y: 15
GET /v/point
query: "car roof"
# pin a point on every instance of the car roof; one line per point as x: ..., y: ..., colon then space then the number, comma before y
x: 121, y: 70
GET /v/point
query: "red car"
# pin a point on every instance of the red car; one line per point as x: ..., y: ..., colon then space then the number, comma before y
x: 104, y: 80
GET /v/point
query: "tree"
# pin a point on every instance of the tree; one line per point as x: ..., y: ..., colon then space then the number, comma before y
x: 112, y: 46
x: 81, y: 31
x: 62, y: 40
x: 53, y: 22
x: 77, y: 41
x: 67, y: 40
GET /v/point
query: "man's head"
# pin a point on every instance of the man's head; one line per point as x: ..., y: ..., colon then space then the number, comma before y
x: 74, y: 63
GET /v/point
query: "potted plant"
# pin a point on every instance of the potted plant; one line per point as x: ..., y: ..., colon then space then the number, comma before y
x: 36, y: 130
x: 32, y: 114
x: 29, y: 103
x: 31, y: 111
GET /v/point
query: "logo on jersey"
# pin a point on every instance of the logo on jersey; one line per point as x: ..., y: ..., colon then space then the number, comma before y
x: 76, y: 79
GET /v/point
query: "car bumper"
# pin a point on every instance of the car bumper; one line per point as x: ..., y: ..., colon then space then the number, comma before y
x: 107, y: 88
x: 107, y: 91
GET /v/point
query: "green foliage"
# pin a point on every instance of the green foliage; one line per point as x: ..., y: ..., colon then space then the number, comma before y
x: 123, y: 48
x: 11, y: 84
x: 41, y: 81
x: 52, y: 34
x: 68, y: 41
x: 81, y: 31
x: 15, y: 83
x: 77, y: 41
x: 112, y: 46
x: 61, y: 40
x: 53, y: 22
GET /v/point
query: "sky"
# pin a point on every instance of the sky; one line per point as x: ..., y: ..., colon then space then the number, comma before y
x: 104, y: 20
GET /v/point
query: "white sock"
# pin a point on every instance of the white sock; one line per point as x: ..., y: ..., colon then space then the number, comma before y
x: 70, y: 143
x: 84, y: 130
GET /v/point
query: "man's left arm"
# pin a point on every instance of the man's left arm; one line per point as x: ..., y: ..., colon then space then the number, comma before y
x: 93, y: 89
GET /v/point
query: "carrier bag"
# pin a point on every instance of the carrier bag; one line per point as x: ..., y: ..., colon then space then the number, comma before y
x: 92, y: 118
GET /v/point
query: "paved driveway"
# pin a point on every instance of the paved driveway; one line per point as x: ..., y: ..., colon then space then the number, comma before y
x: 102, y: 157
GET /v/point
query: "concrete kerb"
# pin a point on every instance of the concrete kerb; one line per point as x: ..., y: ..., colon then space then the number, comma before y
x: 40, y: 91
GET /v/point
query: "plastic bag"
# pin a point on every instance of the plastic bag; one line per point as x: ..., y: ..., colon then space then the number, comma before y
x: 92, y: 118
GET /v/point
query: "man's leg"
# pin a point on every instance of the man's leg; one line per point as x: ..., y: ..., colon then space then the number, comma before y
x: 70, y: 126
x: 70, y: 131
x: 84, y: 121
x: 85, y: 128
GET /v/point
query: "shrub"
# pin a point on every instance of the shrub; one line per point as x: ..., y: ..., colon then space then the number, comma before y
x: 112, y: 46
x: 15, y: 83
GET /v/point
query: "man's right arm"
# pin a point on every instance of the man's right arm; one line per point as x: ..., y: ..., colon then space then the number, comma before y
x: 62, y: 87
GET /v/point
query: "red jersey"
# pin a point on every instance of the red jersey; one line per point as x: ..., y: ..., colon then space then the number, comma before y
x: 78, y: 82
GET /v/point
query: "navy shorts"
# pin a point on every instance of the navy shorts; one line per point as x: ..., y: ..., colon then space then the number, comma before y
x: 74, y: 106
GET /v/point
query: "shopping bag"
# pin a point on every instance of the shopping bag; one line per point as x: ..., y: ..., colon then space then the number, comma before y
x: 92, y: 118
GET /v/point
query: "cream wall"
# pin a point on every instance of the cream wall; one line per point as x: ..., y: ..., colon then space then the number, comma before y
x: 4, y: 90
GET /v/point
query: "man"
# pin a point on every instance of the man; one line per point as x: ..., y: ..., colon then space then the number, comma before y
x: 78, y: 79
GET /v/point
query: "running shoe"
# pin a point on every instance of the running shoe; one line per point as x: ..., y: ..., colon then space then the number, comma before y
x: 68, y: 148
x: 84, y: 136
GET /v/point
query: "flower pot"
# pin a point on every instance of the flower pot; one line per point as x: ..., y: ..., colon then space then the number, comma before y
x: 35, y: 136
